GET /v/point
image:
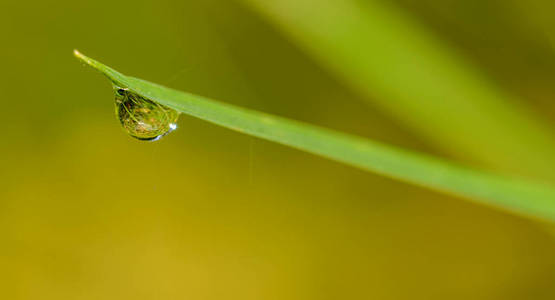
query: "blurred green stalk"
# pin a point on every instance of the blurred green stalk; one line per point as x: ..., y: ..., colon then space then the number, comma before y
x: 402, y: 69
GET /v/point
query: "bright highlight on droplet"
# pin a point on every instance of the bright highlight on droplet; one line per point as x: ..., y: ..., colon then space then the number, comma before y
x: 142, y: 118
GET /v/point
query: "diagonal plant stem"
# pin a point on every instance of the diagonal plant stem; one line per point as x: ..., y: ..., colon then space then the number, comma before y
x: 517, y: 196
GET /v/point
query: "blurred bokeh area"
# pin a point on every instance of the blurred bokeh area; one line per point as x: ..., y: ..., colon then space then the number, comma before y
x: 87, y: 212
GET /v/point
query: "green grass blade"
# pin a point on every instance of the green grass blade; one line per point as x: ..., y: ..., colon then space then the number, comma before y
x: 397, y: 65
x: 520, y: 197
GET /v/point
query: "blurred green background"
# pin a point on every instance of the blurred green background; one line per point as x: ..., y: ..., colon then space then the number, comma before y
x: 87, y: 212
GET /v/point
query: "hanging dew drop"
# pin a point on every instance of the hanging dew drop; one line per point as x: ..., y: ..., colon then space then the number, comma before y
x: 142, y: 118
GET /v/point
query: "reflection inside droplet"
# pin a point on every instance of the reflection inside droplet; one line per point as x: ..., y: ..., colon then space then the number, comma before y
x: 142, y: 118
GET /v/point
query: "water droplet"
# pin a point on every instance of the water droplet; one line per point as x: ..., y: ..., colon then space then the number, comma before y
x: 142, y: 118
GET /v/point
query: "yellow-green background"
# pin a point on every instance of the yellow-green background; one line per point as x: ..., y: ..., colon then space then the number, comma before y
x: 89, y: 213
